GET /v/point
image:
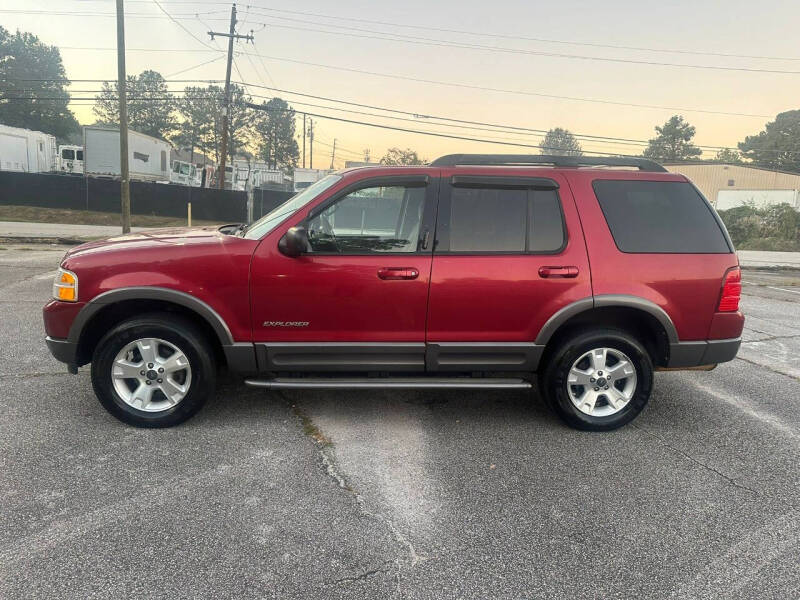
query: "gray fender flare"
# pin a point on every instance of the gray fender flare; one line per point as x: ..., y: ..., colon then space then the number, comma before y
x: 150, y: 293
x: 584, y: 304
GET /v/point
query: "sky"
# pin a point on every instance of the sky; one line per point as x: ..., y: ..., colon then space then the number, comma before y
x: 545, y: 64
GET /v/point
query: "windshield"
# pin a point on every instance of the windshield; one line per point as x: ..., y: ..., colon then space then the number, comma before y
x: 272, y: 219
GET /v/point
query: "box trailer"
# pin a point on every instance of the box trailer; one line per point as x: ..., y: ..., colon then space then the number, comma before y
x: 303, y: 178
x: 26, y: 150
x: 148, y: 157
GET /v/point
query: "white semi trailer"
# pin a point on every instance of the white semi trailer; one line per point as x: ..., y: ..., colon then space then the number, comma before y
x: 26, y: 151
x: 148, y: 157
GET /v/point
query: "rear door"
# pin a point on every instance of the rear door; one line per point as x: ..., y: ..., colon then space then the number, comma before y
x: 509, y: 254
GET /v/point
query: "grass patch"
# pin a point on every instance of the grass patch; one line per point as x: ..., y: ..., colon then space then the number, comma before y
x: 38, y: 214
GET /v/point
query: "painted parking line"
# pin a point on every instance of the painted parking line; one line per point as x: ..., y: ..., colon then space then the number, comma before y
x: 783, y: 290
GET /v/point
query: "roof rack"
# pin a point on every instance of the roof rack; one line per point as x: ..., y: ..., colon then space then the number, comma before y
x: 452, y: 160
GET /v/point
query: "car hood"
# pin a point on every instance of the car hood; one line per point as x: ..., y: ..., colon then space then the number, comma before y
x: 163, y: 238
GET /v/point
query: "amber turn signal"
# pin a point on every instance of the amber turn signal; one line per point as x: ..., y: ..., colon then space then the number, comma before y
x: 65, y: 287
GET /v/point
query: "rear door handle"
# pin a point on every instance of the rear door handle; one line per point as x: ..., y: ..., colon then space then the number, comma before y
x: 398, y: 273
x: 546, y: 272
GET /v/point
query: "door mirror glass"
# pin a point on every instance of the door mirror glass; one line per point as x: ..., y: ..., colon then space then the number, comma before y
x: 294, y: 242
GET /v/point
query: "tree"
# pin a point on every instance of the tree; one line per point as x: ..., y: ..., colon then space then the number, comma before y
x: 274, y: 130
x: 197, y: 110
x: 673, y: 142
x: 241, y: 122
x: 39, y: 105
x: 199, y: 123
x: 778, y: 146
x: 561, y: 142
x: 729, y: 156
x: 150, y: 104
x: 396, y: 157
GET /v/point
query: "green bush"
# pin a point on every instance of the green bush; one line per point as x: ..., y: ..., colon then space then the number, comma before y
x: 774, y: 227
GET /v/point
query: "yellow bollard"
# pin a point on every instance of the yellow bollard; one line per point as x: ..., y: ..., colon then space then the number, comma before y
x: 189, y: 213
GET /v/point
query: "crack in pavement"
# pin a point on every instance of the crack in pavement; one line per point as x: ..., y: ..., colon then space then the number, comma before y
x: 768, y: 368
x: 325, y: 449
x: 769, y: 339
x: 691, y: 458
x: 363, y: 576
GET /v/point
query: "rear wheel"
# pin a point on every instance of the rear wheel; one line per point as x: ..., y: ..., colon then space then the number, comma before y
x: 598, y: 380
x: 153, y: 371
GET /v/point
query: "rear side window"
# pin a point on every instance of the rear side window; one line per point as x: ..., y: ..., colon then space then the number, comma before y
x: 486, y: 220
x: 666, y: 217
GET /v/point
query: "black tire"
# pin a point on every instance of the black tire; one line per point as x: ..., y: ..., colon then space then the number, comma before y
x: 171, y: 328
x: 553, y: 379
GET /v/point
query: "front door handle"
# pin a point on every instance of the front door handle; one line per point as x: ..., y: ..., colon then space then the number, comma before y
x: 546, y: 272
x: 398, y: 273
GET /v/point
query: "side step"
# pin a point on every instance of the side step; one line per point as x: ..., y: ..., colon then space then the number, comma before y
x: 395, y: 383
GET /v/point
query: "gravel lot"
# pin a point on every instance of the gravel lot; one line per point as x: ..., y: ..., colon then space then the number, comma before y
x: 419, y: 495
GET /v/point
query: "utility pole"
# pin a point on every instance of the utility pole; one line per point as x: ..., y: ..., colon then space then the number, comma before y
x: 226, y: 108
x: 304, y: 140
x: 333, y: 153
x: 124, y: 180
x: 311, y: 143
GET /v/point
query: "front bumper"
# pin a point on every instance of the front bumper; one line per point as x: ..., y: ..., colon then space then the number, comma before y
x: 704, y: 352
x: 64, y: 351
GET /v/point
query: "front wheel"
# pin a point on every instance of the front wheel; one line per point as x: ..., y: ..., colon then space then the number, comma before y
x: 153, y: 371
x: 598, y: 380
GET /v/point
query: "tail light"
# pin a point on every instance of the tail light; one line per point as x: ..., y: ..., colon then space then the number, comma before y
x: 731, y: 291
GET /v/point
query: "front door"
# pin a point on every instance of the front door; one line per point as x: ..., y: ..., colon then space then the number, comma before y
x: 509, y: 254
x: 357, y: 299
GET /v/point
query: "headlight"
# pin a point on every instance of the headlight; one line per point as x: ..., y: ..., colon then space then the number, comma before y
x: 65, y: 287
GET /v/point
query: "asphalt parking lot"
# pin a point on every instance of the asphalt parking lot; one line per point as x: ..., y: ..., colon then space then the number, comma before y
x: 401, y: 494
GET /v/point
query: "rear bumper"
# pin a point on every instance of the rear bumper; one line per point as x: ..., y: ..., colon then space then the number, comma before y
x: 704, y: 352
x: 63, y: 351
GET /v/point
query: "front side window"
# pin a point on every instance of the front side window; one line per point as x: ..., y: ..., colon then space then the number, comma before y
x: 80, y: 154
x: 278, y: 214
x: 373, y: 219
x: 499, y: 220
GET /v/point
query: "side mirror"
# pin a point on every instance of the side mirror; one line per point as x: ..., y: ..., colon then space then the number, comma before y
x: 294, y: 242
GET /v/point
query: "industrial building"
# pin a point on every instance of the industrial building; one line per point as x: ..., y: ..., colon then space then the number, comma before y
x: 727, y: 185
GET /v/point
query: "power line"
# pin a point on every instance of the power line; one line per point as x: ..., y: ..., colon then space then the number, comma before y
x: 381, y: 35
x: 108, y: 49
x: 526, y: 38
x: 208, y: 62
x: 429, y: 133
x: 498, y: 90
x: 182, y: 26
x: 500, y: 128
x: 476, y: 33
x: 417, y: 116
x: 509, y: 91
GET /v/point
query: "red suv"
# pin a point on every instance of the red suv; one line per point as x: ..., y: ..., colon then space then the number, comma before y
x: 474, y: 272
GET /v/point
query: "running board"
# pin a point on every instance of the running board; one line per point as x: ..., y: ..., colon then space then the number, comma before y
x: 395, y: 383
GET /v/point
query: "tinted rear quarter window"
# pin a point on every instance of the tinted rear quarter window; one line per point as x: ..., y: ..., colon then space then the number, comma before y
x: 659, y: 217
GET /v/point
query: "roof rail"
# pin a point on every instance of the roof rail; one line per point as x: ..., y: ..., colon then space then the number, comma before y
x: 643, y: 164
